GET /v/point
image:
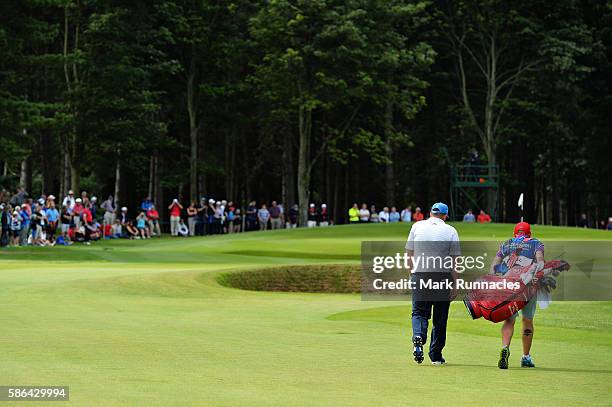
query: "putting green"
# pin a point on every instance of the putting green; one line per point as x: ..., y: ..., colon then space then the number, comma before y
x: 145, y: 323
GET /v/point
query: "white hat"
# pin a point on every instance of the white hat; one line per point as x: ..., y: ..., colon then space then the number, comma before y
x: 218, y: 203
x: 41, y: 201
x: 123, y: 209
x: 17, y: 208
x: 71, y: 192
x: 94, y: 199
x: 211, y: 200
x: 312, y: 205
x: 323, y: 205
x: 15, y: 213
x: 52, y: 197
x: 78, y: 200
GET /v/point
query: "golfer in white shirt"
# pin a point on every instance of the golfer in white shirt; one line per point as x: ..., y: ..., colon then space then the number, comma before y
x: 432, y: 238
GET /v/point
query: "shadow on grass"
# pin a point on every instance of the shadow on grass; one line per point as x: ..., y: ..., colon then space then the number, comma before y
x: 546, y: 369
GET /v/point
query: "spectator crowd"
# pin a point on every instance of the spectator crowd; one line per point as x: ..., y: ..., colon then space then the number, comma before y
x: 391, y: 215
x: 47, y: 221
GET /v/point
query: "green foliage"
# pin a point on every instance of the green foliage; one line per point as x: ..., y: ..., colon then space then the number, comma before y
x: 376, y: 82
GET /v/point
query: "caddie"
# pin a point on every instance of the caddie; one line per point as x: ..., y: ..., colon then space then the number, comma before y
x: 521, y: 250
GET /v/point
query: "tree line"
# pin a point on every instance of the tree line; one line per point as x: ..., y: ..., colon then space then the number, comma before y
x: 309, y: 100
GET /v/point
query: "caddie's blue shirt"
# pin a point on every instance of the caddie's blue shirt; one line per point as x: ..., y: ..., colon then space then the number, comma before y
x: 518, y: 251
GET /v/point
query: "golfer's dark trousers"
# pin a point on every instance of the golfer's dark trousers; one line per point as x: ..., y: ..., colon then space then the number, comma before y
x: 421, y: 313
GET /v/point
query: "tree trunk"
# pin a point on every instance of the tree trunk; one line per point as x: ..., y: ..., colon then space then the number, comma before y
x: 151, y: 175
x: 304, y: 163
x: 118, y: 179
x: 159, y: 191
x: 327, y: 197
x: 66, y: 168
x: 156, y: 182
x: 25, y: 175
x: 201, y: 172
x: 555, y: 202
x: 288, y: 172
x: 230, y: 164
x: 389, y: 173
x: 347, y: 188
x: 75, y: 177
x: 247, y: 173
x: 336, y: 187
x: 193, y: 129
x: 72, y: 180
x: 47, y: 165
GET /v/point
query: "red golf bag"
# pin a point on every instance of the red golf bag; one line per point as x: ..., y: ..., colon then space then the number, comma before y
x: 497, y: 305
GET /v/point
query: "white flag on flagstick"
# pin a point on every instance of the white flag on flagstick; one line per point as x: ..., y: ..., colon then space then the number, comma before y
x: 520, y: 201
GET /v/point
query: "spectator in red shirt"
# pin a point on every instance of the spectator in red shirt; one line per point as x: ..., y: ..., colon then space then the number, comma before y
x: 483, y: 217
x: 418, y: 215
x: 153, y: 218
x: 86, y: 216
x: 77, y: 210
x: 175, y: 216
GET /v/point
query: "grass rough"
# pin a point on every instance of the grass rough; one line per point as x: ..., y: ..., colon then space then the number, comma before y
x: 146, y: 323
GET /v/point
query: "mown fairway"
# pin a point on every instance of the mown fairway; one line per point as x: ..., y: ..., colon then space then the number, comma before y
x: 145, y: 323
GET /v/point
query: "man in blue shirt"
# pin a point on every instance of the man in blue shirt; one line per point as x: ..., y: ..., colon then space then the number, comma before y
x: 469, y: 217
x: 394, y: 215
x: 52, y: 217
x: 146, y: 204
x: 25, y: 225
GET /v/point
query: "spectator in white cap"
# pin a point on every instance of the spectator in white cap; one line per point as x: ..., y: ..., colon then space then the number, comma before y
x: 50, y: 198
x: 69, y: 201
x: 323, y: 216
x: 15, y: 228
x: 52, y: 218
x: 123, y: 216
x: 93, y: 206
x: 313, y: 216
x: 217, y: 221
x: 77, y: 210
x: 210, y: 217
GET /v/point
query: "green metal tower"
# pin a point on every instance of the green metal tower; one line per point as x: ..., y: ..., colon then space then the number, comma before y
x: 473, y: 187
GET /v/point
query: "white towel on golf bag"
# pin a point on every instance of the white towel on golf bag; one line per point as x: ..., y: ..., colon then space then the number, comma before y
x: 544, y: 298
